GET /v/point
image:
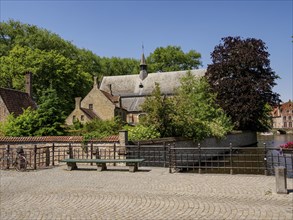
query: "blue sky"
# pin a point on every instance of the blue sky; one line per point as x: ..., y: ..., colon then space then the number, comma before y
x: 118, y: 28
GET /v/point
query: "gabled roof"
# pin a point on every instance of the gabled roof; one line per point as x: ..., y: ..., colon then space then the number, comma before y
x: 16, y: 101
x: 113, y: 99
x: 287, y: 105
x: 89, y: 113
x: 128, y: 86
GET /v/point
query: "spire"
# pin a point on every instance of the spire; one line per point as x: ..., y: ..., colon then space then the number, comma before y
x: 143, y: 66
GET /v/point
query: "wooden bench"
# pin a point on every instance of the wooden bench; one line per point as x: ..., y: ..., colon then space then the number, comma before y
x: 101, y: 163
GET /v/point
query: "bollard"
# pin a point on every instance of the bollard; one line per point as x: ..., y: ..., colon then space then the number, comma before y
x: 281, y: 180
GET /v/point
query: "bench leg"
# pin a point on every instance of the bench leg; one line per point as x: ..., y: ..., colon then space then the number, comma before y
x: 71, y: 166
x: 133, y: 167
x: 101, y: 167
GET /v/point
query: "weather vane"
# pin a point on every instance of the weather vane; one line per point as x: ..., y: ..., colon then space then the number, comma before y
x: 142, y: 48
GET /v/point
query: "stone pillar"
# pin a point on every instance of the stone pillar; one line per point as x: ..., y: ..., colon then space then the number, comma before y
x: 123, y: 138
x: 281, y: 180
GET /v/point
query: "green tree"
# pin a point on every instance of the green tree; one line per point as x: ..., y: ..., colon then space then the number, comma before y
x: 242, y: 78
x: 172, y: 58
x: 44, y: 121
x: 23, y: 125
x: 49, y: 69
x: 97, y: 128
x: 141, y: 132
x: 197, y: 114
x: 119, y: 66
x: 50, y: 117
x: 192, y: 113
x: 159, y: 111
x: 52, y: 60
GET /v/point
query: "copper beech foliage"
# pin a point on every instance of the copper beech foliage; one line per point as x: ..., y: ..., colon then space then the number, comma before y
x: 241, y: 76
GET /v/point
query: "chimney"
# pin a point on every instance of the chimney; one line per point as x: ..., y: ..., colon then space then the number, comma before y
x: 28, y: 83
x: 96, y: 84
x: 77, y: 102
x: 110, y: 88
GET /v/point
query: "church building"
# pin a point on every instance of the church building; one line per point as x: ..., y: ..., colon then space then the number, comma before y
x: 123, y: 95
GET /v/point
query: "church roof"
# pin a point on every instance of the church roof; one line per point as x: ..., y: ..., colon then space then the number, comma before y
x: 15, y: 101
x: 128, y: 86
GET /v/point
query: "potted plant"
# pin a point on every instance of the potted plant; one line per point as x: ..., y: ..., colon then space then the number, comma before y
x: 287, y: 148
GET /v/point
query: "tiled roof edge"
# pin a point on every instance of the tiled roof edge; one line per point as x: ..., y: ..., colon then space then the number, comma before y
x: 56, y: 139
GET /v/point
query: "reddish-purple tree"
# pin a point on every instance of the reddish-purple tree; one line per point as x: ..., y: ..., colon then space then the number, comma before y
x: 241, y: 76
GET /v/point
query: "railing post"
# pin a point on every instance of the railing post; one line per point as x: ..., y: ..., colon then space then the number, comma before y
x: 8, y: 156
x: 138, y: 150
x: 199, y: 158
x: 97, y: 153
x: 265, y: 159
x: 35, y: 157
x: 165, y: 154
x: 47, y: 152
x: 92, y: 148
x: 170, y: 158
x: 114, y: 148
x: 231, y: 159
x: 70, y: 152
x: 53, y: 155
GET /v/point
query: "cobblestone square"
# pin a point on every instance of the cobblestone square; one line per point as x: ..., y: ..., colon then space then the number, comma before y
x: 151, y: 193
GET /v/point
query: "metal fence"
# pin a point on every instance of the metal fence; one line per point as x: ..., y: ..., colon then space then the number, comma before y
x: 153, y: 155
x: 233, y: 160
x: 40, y: 157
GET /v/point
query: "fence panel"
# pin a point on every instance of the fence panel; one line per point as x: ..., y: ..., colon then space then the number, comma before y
x: 248, y: 160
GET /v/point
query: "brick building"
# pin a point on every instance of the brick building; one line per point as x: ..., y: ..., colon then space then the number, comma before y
x: 14, y: 101
x: 283, y: 116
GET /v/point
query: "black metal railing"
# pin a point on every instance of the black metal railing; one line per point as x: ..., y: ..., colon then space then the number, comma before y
x: 247, y: 160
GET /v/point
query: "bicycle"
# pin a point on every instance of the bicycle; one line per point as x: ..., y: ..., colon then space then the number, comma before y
x: 20, y: 163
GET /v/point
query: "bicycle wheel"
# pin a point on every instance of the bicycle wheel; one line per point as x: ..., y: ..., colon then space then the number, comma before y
x: 20, y: 163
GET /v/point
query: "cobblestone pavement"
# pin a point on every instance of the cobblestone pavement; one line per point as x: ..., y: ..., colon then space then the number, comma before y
x: 152, y: 193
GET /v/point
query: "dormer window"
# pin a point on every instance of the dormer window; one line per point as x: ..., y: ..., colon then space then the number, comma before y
x: 90, y: 106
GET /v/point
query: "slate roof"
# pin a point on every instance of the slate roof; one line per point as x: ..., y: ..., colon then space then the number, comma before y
x: 90, y: 114
x: 16, y: 101
x: 128, y: 86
